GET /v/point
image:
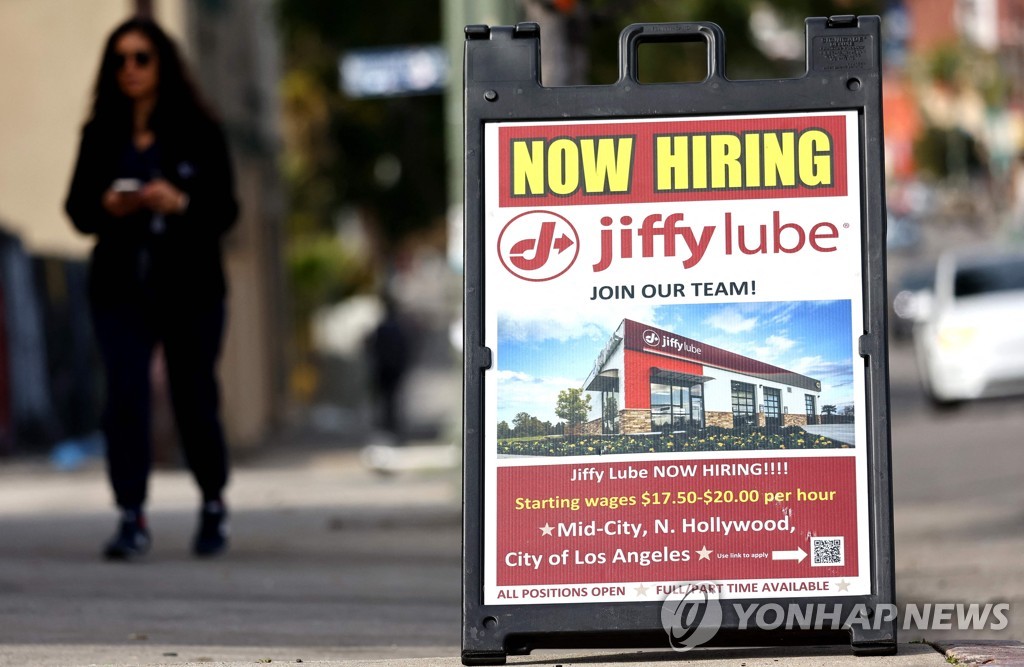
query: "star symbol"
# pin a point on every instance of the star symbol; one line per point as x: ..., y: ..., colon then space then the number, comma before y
x: 704, y: 553
x: 546, y: 529
x: 843, y: 586
x: 641, y: 591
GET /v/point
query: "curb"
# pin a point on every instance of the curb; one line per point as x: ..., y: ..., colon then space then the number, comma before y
x: 981, y: 652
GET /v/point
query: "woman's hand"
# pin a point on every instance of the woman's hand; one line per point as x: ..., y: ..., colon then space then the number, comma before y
x: 163, y: 197
x: 120, y: 204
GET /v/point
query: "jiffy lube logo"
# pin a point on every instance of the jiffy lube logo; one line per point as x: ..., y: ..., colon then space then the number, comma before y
x: 534, y: 245
x: 692, y: 614
x: 661, y: 235
x: 538, y: 245
x: 669, y: 165
x: 655, y: 340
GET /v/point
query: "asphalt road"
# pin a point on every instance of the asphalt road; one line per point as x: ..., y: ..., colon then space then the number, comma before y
x: 959, y: 498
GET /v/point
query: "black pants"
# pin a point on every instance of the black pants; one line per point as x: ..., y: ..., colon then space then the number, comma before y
x: 127, y: 335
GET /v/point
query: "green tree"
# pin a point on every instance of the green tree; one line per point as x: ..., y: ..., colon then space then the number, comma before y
x: 381, y: 159
x: 573, y: 407
x: 504, y: 431
x: 828, y: 409
x: 384, y: 157
x: 525, y: 425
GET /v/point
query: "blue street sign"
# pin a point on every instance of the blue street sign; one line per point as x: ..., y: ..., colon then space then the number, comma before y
x: 393, y: 71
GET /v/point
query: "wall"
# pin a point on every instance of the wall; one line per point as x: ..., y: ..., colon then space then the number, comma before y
x: 236, y: 44
x: 932, y: 24
x: 636, y: 376
x: 49, y: 55
x: 634, y: 421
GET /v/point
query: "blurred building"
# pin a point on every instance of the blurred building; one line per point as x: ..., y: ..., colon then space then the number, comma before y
x: 988, y: 24
x: 49, y: 56
x: 954, y: 99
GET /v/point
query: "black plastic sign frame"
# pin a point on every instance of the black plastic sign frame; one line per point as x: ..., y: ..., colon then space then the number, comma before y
x: 676, y: 375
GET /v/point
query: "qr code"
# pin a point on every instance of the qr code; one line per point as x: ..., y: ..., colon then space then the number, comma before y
x: 827, y: 551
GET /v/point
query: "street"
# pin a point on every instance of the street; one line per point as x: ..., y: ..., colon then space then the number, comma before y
x: 958, y: 497
x: 959, y: 505
x: 327, y: 560
x: 332, y: 561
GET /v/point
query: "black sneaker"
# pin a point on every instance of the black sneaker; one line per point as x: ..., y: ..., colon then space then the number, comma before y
x: 132, y: 538
x: 212, y: 537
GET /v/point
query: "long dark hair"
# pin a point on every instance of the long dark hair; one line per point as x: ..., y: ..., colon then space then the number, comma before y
x: 178, y: 101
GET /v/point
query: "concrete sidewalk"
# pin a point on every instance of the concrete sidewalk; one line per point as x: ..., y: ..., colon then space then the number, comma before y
x: 910, y: 655
x: 331, y: 564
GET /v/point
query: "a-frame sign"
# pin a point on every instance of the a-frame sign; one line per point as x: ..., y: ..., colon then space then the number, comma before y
x: 676, y: 401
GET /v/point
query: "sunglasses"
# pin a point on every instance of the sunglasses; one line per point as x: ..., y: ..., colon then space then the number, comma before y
x: 142, y: 59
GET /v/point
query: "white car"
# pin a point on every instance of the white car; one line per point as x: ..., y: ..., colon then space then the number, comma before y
x: 969, y: 336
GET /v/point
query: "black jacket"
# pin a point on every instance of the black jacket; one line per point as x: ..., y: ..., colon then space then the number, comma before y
x: 130, y: 263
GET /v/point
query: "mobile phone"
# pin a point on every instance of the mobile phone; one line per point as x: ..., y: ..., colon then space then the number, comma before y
x: 126, y: 185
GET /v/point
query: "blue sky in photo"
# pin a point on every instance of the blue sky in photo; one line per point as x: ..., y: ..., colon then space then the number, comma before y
x: 813, y: 338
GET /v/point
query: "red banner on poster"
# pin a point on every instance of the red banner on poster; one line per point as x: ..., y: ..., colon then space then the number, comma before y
x: 679, y: 160
x: 685, y: 520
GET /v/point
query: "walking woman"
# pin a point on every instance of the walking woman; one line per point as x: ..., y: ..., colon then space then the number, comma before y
x: 154, y: 184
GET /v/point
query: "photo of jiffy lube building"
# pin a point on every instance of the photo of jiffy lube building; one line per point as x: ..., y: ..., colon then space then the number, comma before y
x: 649, y: 379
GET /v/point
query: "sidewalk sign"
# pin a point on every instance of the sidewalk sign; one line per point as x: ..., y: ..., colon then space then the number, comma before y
x: 676, y: 394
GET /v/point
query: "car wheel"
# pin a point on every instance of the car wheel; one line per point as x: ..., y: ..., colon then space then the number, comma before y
x: 943, y: 404
x: 938, y: 402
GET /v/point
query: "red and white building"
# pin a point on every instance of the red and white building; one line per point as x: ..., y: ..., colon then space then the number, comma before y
x: 652, y: 380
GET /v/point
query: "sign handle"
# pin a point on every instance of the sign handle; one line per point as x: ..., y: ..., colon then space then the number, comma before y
x: 640, y: 33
